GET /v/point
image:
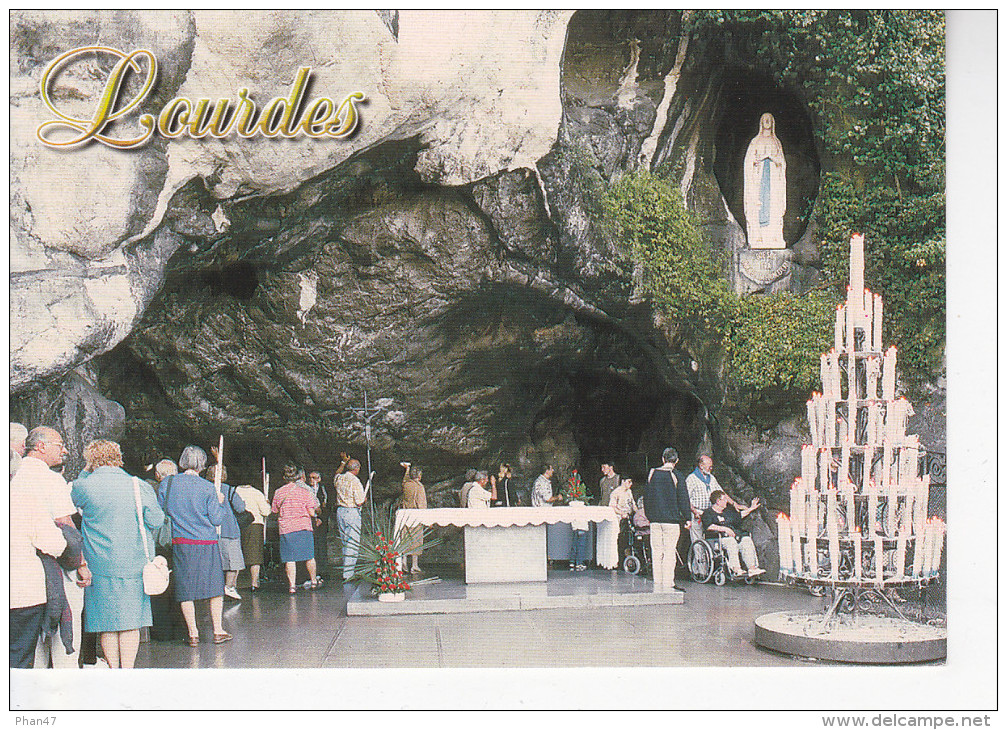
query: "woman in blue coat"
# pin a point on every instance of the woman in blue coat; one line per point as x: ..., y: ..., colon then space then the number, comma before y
x: 196, y: 511
x: 115, y: 605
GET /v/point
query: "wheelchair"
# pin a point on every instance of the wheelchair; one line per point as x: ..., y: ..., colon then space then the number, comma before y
x: 636, y: 559
x: 708, y: 559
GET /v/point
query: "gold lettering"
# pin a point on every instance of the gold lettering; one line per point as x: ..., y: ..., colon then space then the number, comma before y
x: 347, y: 117
x: 105, y: 111
x: 218, y: 115
x: 167, y: 116
x: 290, y: 106
x: 246, y: 110
x: 316, y: 116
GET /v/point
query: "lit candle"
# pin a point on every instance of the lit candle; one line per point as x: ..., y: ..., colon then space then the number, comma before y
x: 837, y: 383
x: 820, y: 416
x: 811, y: 419
x: 868, y: 319
x: 851, y: 513
x: 878, y: 320
x: 824, y: 371
x: 879, y: 559
x: 923, y: 501
x: 857, y: 272
x: 873, y: 371
x: 886, y: 468
x: 839, y: 327
x: 857, y: 554
x: 793, y: 499
x: 868, y: 463
x: 832, y: 514
x: 783, y: 535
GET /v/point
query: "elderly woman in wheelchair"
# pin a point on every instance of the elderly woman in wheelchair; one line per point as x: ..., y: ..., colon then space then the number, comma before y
x: 725, y: 541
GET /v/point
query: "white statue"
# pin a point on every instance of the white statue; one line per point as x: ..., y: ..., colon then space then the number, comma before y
x: 765, y: 187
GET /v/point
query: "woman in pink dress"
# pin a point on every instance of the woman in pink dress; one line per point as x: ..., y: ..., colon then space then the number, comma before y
x: 296, y: 507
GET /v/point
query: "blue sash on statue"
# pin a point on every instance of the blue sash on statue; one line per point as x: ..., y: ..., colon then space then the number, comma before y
x: 764, y: 192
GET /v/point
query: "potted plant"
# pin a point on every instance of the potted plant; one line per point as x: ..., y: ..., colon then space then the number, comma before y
x: 381, y: 553
x: 575, y: 493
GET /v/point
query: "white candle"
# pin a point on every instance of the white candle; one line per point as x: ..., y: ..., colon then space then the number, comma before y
x: 923, y: 503
x: 824, y: 459
x: 900, y: 556
x: 798, y: 561
x: 878, y: 320
x: 886, y: 468
x: 850, y: 314
x: 868, y: 319
x: 813, y: 532
x: 928, y: 536
x: 793, y: 500
x: 872, y: 507
x: 873, y: 367
x: 807, y: 466
x: 784, y: 538
x: 832, y: 514
x: 857, y: 554
x: 868, y: 462
x: 824, y: 373
x: 888, y: 375
x: 937, y: 547
x: 851, y: 513
x: 879, y: 559
x: 857, y: 271
x: 830, y: 423
x: 840, y: 314
x: 811, y: 419
x: 837, y: 383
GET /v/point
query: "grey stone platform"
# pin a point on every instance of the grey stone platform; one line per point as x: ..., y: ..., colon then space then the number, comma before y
x: 563, y: 589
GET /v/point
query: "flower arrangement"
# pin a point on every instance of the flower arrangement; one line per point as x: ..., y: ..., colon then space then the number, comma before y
x: 379, y: 550
x: 575, y: 490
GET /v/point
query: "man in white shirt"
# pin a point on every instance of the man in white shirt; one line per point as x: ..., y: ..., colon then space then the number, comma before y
x: 18, y: 433
x: 44, y: 451
x: 701, y: 484
x: 478, y: 496
x: 350, y: 496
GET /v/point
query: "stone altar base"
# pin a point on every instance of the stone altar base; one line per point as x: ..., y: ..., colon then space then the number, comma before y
x: 563, y: 589
x: 866, y: 639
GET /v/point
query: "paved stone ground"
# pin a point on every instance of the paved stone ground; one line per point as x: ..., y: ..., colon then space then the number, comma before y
x: 714, y: 627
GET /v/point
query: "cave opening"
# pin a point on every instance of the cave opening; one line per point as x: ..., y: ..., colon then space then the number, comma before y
x: 746, y: 95
x: 239, y: 280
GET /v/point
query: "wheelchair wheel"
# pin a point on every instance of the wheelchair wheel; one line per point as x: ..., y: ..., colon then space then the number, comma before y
x: 631, y: 564
x: 720, y: 578
x: 700, y: 561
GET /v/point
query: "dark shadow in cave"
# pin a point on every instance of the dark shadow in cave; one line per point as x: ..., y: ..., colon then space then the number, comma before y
x: 745, y: 96
x: 239, y: 280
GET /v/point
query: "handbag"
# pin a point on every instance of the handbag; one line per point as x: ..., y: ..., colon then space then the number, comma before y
x: 162, y: 538
x: 244, y: 518
x: 155, y: 572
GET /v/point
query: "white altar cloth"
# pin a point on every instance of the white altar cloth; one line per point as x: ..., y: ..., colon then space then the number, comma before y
x: 607, y: 544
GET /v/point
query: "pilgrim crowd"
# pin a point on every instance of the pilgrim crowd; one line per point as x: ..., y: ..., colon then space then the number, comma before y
x: 79, y: 548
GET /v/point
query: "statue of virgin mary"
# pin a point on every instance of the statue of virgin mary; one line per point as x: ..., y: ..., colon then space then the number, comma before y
x: 765, y: 187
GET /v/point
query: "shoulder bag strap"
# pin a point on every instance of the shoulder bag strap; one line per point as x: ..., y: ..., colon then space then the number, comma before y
x: 139, y: 516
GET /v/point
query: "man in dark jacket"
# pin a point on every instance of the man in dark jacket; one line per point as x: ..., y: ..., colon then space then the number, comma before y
x: 667, y: 502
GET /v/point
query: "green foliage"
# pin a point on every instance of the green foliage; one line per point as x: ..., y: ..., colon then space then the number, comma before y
x: 773, y: 352
x: 772, y: 342
x: 874, y: 81
x: 675, y: 269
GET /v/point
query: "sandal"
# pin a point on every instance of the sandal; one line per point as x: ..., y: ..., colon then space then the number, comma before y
x: 221, y: 638
x: 293, y: 590
x: 193, y: 641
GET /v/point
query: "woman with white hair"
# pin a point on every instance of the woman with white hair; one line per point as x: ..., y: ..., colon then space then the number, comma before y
x: 196, y: 510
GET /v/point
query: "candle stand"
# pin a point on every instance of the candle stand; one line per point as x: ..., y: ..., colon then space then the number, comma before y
x: 859, y: 532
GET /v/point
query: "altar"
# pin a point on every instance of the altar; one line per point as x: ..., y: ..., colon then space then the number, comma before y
x: 509, y: 544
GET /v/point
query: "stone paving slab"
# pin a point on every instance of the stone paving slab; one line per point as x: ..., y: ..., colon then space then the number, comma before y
x: 563, y: 589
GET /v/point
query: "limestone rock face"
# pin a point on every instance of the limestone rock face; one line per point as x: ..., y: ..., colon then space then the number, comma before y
x: 75, y: 213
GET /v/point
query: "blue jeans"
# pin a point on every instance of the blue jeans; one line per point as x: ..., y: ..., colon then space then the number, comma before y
x: 348, y: 522
x: 579, y: 547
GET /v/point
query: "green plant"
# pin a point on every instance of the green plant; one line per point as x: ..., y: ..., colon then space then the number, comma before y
x: 575, y: 490
x: 379, y: 550
x: 674, y: 267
